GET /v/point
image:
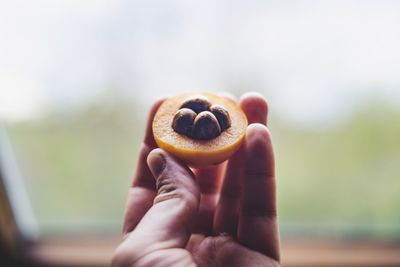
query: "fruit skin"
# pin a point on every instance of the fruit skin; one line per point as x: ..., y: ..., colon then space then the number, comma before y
x: 199, y: 153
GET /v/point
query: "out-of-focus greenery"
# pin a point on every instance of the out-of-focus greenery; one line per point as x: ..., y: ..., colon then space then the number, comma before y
x: 343, y: 179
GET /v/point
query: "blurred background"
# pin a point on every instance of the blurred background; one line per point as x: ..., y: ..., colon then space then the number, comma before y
x: 77, y: 79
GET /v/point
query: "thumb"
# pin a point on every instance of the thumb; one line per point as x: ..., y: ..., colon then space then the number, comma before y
x: 169, y: 222
x: 177, y: 200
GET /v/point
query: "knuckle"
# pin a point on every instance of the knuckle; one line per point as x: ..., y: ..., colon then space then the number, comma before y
x: 165, y: 186
x: 172, y: 192
x: 122, y: 257
x: 176, y: 186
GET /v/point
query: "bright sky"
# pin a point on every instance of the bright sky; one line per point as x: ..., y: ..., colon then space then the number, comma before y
x: 307, y: 57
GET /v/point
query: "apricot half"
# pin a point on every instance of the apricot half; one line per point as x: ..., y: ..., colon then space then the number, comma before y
x: 200, y: 128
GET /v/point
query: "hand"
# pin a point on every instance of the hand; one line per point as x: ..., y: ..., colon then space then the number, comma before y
x: 223, y: 215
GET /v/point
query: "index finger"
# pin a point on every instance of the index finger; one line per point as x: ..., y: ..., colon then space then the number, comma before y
x: 258, y: 226
x: 143, y: 189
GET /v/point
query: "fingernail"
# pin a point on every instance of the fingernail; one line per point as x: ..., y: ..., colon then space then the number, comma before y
x: 156, y: 161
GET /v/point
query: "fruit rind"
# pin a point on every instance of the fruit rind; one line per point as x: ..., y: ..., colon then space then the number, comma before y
x: 199, y: 153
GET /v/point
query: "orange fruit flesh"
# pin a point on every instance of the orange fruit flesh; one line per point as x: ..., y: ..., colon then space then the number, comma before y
x: 199, y: 153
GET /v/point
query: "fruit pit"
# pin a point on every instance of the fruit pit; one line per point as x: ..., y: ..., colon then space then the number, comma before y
x: 197, y: 118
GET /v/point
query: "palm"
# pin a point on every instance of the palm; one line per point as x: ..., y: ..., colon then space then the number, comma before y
x: 223, y: 251
x: 215, y: 252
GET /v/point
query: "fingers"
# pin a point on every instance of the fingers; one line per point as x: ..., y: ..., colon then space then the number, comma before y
x: 177, y: 200
x: 226, y: 214
x: 143, y: 175
x: 142, y: 192
x: 255, y: 107
x: 169, y: 222
x: 209, y: 181
x: 258, y: 227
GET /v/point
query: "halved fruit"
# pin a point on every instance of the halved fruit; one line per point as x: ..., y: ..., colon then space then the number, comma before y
x: 211, y: 138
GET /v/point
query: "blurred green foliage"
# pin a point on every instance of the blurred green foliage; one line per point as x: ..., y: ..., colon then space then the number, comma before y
x: 343, y: 180
x: 333, y: 180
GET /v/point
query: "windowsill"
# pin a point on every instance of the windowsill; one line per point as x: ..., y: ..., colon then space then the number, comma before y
x: 295, y: 253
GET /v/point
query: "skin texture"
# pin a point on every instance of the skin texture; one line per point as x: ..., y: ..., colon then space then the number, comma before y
x: 223, y: 215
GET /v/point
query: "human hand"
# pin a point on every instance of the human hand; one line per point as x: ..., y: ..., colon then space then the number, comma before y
x: 223, y: 215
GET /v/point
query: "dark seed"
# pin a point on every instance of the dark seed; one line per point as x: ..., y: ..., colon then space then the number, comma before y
x: 222, y: 116
x: 197, y: 104
x: 206, y: 126
x: 183, y: 121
